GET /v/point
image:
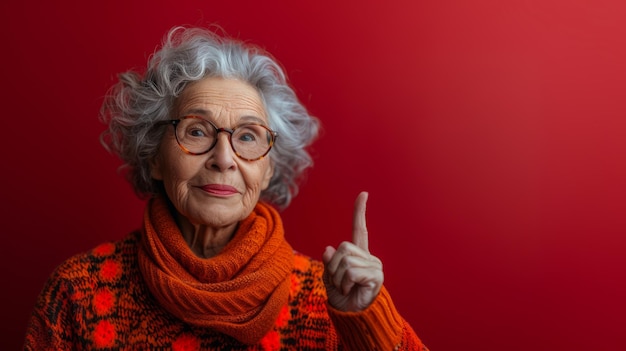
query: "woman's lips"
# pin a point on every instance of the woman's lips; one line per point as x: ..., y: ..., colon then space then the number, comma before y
x: 219, y: 189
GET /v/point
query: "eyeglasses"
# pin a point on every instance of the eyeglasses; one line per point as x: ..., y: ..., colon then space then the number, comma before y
x: 196, y: 136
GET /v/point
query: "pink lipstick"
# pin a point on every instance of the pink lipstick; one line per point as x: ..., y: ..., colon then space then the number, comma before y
x: 219, y: 189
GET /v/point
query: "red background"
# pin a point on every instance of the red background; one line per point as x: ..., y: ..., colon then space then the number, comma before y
x: 490, y: 135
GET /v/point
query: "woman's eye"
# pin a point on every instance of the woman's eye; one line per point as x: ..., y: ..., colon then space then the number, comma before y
x: 196, y: 132
x: 247, y: 137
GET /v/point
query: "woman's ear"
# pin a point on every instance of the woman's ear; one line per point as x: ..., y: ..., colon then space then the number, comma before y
x: 155, y: 168
x: 267, y: 176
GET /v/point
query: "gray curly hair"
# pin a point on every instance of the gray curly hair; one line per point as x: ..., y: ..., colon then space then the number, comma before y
x: 136, y: 102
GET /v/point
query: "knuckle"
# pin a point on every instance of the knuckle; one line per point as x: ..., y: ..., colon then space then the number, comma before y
x: 348, y: 262
x: 351, y: 276
x: 344, y: 247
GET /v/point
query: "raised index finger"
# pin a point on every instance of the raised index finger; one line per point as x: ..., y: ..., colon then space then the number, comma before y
x: 359, y: 227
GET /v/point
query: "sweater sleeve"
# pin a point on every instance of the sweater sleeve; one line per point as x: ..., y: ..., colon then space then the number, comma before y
x: 50, y: 326
x: 379, y: 327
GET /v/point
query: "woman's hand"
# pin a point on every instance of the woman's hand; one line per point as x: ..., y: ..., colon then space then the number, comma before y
x: 353, y: 277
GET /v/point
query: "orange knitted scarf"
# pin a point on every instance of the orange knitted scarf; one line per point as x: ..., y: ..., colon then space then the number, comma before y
x: 239, y: 292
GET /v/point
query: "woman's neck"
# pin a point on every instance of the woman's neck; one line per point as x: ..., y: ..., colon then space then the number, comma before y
x: 205, y: 241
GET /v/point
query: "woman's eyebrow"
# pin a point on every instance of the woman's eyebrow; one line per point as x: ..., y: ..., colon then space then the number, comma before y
x: 255, y: 119
x: 199, y: 112
x: 207, y: 114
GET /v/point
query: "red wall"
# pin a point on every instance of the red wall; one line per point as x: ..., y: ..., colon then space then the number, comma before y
x: 490, y: 135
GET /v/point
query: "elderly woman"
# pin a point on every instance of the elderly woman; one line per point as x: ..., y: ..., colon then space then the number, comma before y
x: 215, y: 138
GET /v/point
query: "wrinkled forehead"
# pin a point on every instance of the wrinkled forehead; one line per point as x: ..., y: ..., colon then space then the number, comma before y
x: 220, y: 98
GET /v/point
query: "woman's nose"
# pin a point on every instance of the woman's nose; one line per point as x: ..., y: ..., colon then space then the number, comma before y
x: 222, y: 157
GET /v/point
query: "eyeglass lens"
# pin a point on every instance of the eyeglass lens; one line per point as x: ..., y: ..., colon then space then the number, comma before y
x: 249, y: 141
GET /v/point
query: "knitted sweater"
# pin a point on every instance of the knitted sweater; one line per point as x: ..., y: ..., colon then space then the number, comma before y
x: 98, y: 300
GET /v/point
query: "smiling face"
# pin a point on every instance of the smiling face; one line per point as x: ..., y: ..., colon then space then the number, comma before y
x: 216, y: 189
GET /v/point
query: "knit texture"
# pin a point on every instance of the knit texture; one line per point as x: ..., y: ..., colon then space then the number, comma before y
x: 99, y: 300
x: 239, y: 292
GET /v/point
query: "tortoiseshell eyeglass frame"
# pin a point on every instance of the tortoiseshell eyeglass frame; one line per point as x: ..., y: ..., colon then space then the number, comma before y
x: 174, y: 122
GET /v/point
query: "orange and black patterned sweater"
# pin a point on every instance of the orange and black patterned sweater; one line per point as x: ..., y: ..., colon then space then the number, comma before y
x: 99, y: 301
